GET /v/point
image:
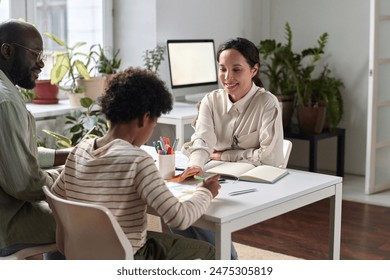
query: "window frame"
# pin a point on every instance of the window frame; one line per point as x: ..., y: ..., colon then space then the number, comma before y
x: 26, y: 9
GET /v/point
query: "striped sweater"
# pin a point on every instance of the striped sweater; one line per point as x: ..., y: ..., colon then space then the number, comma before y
x: 125, y: 179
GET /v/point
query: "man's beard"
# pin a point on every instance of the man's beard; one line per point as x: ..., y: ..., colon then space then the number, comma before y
x: 21, y: 75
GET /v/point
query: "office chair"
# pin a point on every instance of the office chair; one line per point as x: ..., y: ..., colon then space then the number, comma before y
x: 287, y: 146
x: 87, y: 231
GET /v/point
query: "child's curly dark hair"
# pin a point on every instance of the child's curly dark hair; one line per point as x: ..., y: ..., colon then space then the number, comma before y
x: 132, y: 93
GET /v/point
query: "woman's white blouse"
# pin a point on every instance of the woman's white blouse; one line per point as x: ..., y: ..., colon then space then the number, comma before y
x: 249, y: 130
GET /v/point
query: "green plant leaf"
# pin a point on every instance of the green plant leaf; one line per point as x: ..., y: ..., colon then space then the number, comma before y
x: 58, y: 136
x: 86, y: 102
x: 63, y: 144
x: 60, y: 68
x: 76, y: 128
x: 82, y: 69
x: 56, y: 39
x: 77, y: 45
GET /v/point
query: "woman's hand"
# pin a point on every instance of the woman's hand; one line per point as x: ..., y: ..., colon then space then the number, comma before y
x: 216, y: 155
x: 191, y: 171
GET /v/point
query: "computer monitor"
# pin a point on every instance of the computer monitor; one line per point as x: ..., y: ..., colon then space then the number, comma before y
x: 192, y: 63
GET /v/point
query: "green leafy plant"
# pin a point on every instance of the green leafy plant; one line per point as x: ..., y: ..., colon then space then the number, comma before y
x: 298, y: 74
x: 276, y: 56
x: 28, y: 94
x: 70, y: 64
x: 153, y: 58
x: 302, y: 73
x: 83, y: 123
x: 106, y: 65
x: 328, y: 89
x: 289, y: 72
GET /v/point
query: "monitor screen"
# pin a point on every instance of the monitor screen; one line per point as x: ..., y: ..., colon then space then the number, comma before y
x: 192, y: 63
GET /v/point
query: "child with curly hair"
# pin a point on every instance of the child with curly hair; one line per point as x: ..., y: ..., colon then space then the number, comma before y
x: 115, y: 172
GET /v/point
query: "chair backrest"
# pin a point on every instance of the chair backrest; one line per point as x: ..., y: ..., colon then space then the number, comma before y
x: 287, y: 145
x: 87, y: 231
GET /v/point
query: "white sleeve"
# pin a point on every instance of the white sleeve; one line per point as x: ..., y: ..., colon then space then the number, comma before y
x: 46, y: 157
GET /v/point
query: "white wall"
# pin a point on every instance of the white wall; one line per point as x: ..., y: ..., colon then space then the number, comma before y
x: 141, y: 24
x: 134, y: 29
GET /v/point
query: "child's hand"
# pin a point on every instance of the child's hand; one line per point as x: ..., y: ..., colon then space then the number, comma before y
x: 211, y: 183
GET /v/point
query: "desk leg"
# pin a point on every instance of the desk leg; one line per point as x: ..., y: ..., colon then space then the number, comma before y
x: 340, y: 154
x: 335, y: 223
x: 223, y: 239
x: 313, y: 155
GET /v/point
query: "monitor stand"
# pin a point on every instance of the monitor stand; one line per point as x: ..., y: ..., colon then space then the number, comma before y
x: 195, y: 97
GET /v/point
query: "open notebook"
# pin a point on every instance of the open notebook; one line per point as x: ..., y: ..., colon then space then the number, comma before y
x: 246, y: 171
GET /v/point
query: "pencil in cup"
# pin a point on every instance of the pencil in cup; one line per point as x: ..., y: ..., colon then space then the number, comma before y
x: 163, y: 146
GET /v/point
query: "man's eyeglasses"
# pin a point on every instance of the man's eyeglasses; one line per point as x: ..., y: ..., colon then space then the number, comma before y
x: 40, y: 56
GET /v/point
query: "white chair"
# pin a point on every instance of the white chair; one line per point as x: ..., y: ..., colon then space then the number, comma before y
x: 87, y: 231
x: 31, y: 252
x: 287, y: 146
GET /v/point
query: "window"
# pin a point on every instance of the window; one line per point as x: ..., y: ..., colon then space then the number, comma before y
x: 72, y: 21
x: 4, y: 10
x: 51, y: 16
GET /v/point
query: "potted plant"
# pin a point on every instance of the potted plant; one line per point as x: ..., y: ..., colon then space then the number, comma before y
x: 82, y: 123
x: 104, y: 68
x: 153, y: 58
x: 69, y: 66
x: 328, y: 90
x: 45, y: 92
x: 276, y: 56
x: 295, y: 73
x: 310, y: 106
x: 106, y: 65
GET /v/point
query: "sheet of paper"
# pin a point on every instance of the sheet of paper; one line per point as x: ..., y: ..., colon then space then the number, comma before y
x: 181, y: 160
x: 181, y: 191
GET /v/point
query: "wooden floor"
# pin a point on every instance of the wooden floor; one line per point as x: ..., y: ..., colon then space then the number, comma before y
x: 303, y: 233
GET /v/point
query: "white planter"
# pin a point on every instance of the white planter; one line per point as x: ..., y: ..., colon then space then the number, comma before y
x: 74, y: 99
x: 93, y: 87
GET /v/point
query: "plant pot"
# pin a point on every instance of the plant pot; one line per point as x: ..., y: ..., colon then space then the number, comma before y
x: 311, y: 120
x: 93, y: 88
x: 108, y: 78
x: 287, y: 105
x: 45, y: 92
x: 74, y: 98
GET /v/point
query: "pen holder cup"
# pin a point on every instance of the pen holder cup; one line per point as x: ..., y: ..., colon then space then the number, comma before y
x: 166, y: 166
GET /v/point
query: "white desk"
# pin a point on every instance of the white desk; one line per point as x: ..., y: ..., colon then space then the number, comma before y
x: 182, y: 114
x: 50, y: 111
x: 227, y: 214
